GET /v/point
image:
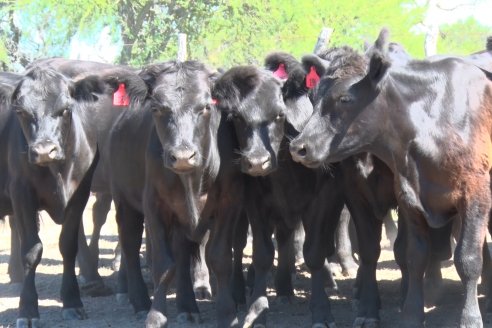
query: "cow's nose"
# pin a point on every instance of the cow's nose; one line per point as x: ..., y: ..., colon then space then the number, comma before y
x: 183, y: 160
x: 260, y: 165
x: 43, y: 153
x: 298, y: 151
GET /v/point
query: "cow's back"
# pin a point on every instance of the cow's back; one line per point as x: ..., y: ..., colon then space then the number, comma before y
x: 127, y: 142
x: 8, y: 81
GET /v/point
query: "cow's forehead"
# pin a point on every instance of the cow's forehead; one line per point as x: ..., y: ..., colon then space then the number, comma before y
x: 264, y: 103
x: 182, y: 88
x: 48, y: 92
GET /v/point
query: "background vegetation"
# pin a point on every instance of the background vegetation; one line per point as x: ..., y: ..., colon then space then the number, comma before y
x: 220, y: 32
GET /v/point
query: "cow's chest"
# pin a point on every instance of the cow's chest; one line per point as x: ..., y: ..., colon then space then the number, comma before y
x: 435, y: 185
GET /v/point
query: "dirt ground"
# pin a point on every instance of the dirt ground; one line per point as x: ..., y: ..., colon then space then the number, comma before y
x: 105, y: 312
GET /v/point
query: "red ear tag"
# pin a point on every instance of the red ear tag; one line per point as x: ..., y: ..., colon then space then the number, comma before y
x: 312, y: 78
x: 214, y: 101
x: 120, y: 97
x: 281, y: 73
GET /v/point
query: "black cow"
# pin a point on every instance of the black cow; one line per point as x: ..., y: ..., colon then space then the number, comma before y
x: 8, y: 81
x: 51, y: 138
x: 178, y: 173
x: 430, y: 123
x: 368, y: 193
x: 266, y: 109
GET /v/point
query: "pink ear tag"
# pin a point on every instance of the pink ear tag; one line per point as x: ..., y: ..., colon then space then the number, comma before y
x: 214, y: 101
x: 281, y: 73
x: 120, y: 97
x: 312, y: 78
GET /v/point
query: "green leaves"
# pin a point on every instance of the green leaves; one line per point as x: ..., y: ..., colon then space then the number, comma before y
x: 219, y: 32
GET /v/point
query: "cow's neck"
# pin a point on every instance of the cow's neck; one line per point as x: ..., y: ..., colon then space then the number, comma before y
x: 80, y: 151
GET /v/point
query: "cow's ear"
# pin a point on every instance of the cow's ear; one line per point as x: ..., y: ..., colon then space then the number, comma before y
x: 6, y: 91
x: 87, y: 88
x: 129, y: 82
x: 234, y: 85
x: 316, y: 63
x: 378, y: 66
x: 381, y: 43
x: 246, y: 82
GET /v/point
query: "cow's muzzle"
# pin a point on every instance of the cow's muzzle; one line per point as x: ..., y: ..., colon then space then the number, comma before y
x: 183, y: 161
x: 45, y: 152
x: 299, y: 153
x: 257, y: 165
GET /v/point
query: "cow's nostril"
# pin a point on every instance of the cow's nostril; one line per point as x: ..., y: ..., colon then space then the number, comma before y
x: 173, y: 158
x: 192, y: 155
x: 302, y: 151
x: 265, y: 164
x: 52, y: 153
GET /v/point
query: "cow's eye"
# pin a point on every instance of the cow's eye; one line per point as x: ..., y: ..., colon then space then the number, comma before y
x: 160, y: 109
x: 345, y: 99
x: 206, y: 109
x: 280, y: 116
x: 64, y: 112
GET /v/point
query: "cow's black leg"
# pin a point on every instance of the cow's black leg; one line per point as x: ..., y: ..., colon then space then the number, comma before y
x: 400, y: 252
x: 487, y: 276
x: 201, y: 277
x: 68, y: 243
x: 130, y: 229
x: 93, y: 284
x: 263, y: 254
x: 185, y: 296
x: 417, y: 255
x: 286, y: 259
x: 239, y: 243
x: 343, y: 244
x: 390, y: 228
x: 219, y: 255
x: 320, y: 223
x: 15, y: 269
x: 369, y: 230
x: 163, y: 267
x: 31, y: 250
x: 100, y: 211
x: 468, y: 254
x: 440, y: 251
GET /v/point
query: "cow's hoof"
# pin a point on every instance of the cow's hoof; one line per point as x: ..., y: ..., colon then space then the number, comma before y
x: 355, y: 306
x: 155, y: 319
x: 141, y: 315
x: 203, y: 292
x: 74, y: 314
x: 283, y: 300
x: 332, y: 291
x: 255, y: 310
x: 28, y: 323
x: 187, y: 317
x: 122, y: 298
x: 361, y: 322
x: 324, y: 325
x: 15, y: 287
x: 471, y: 321
x: 95, y: 288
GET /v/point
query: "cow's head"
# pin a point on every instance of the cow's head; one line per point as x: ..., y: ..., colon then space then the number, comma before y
x: 185, y: 119
x: 46, y: 103
x: 260, y: 102
x: 340, y: 125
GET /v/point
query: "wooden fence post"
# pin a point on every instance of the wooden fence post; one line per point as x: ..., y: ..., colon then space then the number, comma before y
x: 182, y: 55
x: 323, y: 39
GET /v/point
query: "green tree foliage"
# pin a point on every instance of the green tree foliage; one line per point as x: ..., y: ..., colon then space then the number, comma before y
x: 243, y: 32
x: 220, y: 32
x: 463, y: 38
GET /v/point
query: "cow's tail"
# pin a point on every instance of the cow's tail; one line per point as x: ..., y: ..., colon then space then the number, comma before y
x: 489, y: 43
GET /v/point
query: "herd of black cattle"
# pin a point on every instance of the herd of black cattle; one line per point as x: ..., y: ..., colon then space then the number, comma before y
x: 203, y: 155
